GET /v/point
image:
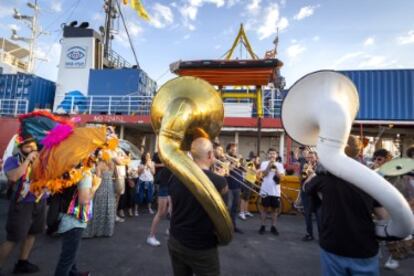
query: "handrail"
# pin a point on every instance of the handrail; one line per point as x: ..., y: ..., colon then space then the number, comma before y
x: 13, y: 107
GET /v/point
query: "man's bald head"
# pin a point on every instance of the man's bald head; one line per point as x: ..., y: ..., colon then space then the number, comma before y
x: 202, y: 150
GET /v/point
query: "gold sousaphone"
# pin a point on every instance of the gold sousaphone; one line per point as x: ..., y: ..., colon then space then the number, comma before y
x: 184, y: 109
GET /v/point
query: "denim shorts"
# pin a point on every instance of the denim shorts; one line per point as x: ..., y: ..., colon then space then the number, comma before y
x: 163, y: 191
x: 335, y: 265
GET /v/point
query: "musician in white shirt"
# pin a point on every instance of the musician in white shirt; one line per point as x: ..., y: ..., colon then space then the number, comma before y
x: 271, y: 171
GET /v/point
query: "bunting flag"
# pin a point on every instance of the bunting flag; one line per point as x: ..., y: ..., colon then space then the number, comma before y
x: 139, y: 8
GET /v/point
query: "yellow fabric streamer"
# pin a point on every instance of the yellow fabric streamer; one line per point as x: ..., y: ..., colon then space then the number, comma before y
x: 125, y: 2
x: 139, y: 8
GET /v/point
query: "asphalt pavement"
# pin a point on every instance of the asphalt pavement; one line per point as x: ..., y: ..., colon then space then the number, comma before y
x: 126, y: 252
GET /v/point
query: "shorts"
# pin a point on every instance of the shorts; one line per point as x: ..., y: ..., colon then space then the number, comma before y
x: 25, y: 218
x: 271, y: 202
x: 163, y: 191
x: 245, y: 193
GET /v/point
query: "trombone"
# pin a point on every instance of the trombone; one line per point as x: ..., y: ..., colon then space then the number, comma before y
x: 226, y: 166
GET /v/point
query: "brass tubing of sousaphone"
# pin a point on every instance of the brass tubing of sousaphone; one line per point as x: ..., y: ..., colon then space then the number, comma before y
x: 183, y: 109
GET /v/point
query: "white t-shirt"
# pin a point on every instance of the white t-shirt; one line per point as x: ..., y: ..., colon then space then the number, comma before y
x: 269, y: 187
x: 146, y: 175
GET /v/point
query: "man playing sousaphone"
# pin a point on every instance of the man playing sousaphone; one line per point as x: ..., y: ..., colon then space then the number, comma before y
x: 193, y: 241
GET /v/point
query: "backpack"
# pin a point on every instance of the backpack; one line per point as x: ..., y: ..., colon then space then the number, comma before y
x: 58, y: 203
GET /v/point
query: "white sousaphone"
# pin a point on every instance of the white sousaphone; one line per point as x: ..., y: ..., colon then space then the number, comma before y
x: 319, y: 110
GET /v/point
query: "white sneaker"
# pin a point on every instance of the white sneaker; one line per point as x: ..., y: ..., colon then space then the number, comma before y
x: 136, y: 213
x: 242, y: 216
x: 151, y: 211
x: 119, y: 219
x: 391, y: 264
x: 167, y: 232
x: 249, y: 214
x: 153, y: 241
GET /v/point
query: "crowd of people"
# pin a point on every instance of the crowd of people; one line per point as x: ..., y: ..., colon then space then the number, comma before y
x: 112, y: 190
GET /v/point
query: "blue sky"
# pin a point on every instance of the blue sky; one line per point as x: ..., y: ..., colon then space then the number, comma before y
x: 334, y: 34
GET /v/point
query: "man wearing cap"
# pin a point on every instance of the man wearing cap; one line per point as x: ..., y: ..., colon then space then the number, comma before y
x: 26, y: 215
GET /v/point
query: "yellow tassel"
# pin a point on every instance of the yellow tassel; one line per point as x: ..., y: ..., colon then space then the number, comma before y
x: 106, y: 156
x: 113, y: 143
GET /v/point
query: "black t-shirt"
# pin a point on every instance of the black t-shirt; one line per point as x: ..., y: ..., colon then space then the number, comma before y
x: 164, y: 177
x: 157, y: 161
x: 347, y: 228
x: 190, y: 224
x: 234, y: 179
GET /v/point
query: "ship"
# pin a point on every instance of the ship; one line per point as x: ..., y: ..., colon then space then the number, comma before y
x: 111, y: 90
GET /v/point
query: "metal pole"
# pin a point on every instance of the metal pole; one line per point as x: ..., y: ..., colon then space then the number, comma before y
x: 16, y: 106
x: 90, y: 104
x: 282, y: 147
x: 108, y: 28
x: 259, y: 109
x: 122, y: 132
x: 32, y: 45
x: 110, y: 105
x: 72, y: 104
x: 259, y: 135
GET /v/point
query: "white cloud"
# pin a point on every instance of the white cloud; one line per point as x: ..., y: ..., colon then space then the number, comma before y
x: 363, y: 60
x: 373, y: 62
x: 305, y: 12
x: 134, y: 29
x: 406, y: 39
x: 346, y: 58
x: 199, y: 3
x: 162, y: 16
x: 98, y: 16
x: 48, y: 69
x: 191, y: 27
x: 231, y: 3
x: 189, y: 10
x: 56, y: 6
x: 316, y: 38
x: 254, y: 6
x: 187, y: 36
x: 295, y: 50
x: 369, y: 41
x: 271, y: 22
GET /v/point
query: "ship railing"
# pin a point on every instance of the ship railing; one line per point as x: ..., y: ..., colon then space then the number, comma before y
x: 13, y: 107
x: 141, y: 105
x: 273, y: 108
x: 108, y: 105
x: 117, y: 61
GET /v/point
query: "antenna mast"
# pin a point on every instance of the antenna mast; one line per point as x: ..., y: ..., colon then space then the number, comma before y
x: 111, y: 14
x: 32, y: 22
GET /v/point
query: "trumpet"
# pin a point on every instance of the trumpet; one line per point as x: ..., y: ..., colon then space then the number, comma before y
x: 307, y: 170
